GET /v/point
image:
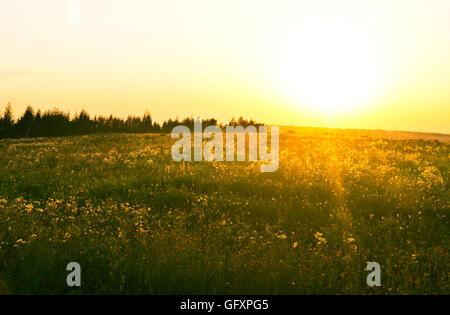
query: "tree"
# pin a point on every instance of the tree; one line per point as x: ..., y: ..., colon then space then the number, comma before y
x: 37, y: 126
x: 7, y: 123
x: 147, y: 122
x: 81, y: 124
x: 25, y: 123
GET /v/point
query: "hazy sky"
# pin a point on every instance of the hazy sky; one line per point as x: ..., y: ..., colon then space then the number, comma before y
x: 381, y: 64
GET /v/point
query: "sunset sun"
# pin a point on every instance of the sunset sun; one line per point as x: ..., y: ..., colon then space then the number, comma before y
x: 329, y: 69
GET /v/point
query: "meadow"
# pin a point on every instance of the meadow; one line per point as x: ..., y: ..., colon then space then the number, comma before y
x: 140, y: 223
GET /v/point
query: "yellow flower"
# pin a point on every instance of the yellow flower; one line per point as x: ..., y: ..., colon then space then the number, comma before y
x: 28, y: 207
x: 320, y: 239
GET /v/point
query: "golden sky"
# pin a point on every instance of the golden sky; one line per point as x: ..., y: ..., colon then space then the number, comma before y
x: 381, y: 64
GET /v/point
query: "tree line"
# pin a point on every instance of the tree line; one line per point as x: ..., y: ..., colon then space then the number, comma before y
x: 56, y: 123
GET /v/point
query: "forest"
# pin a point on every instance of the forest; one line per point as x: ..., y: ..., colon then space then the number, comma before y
x: 56, y: 123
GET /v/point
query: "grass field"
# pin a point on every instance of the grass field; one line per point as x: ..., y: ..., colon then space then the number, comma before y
x: 139, y: 223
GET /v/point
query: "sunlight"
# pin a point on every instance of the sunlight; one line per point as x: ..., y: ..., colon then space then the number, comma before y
x: 329, y: 69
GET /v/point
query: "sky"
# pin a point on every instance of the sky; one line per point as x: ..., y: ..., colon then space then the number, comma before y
x: 378, y: 64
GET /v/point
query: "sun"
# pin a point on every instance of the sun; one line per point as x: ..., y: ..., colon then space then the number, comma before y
x: 329, y: 69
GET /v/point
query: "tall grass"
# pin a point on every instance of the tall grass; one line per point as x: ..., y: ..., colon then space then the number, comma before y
x: 137, y: 222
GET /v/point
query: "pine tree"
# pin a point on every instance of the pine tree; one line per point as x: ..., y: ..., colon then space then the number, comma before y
x: 7, y: 123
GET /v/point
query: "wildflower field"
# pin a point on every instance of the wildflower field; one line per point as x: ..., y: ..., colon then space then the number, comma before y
x: 139, y: 223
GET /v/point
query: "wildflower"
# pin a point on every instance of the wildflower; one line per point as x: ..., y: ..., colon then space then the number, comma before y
x: 320, y: 239
x: 28, y: 208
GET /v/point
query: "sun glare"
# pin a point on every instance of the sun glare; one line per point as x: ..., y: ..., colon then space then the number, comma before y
x: 329, y: 69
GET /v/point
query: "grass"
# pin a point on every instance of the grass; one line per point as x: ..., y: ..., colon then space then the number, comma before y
x: 139, y: 223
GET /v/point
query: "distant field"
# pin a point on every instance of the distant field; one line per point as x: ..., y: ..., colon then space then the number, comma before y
x: 384, y: 134
x: 137, y: 222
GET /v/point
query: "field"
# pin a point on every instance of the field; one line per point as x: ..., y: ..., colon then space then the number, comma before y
x: 139, y: 223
